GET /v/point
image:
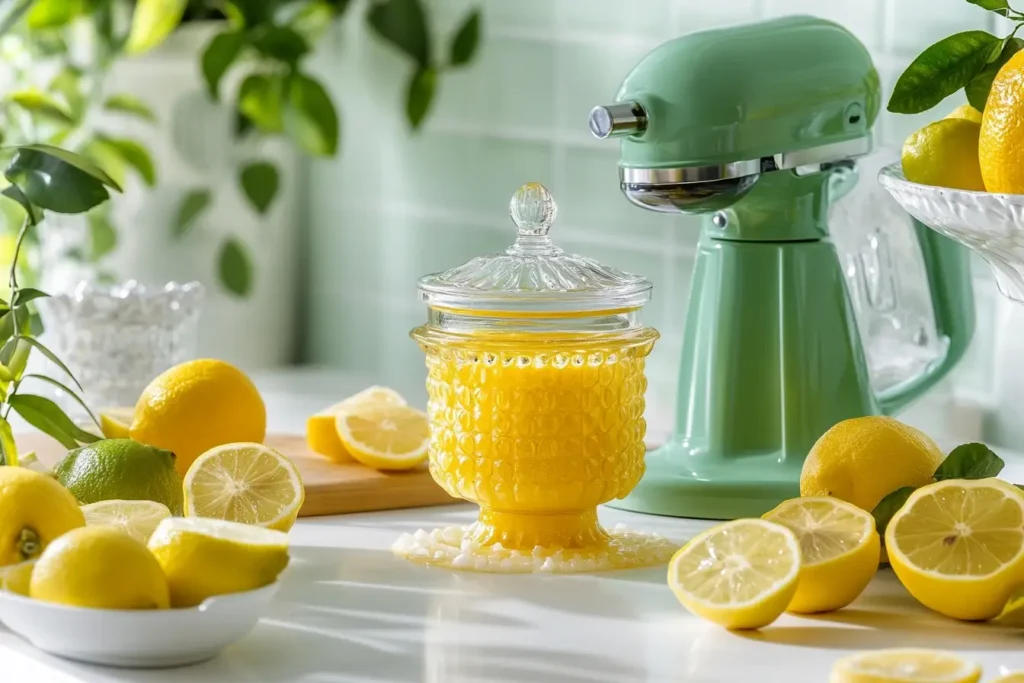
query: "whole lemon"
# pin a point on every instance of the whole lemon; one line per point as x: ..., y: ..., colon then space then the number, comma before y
x: 196, y: 406
x: 121, y: 469
x: 864, y: 459
x: 944, y: 154
x: 34, y: 511
x: 1001, y: 144
x: 102, y: 567
x: 965, y: 111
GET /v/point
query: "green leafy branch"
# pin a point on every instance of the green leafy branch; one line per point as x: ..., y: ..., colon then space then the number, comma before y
x: 41, y: 178
x: 968, y: 60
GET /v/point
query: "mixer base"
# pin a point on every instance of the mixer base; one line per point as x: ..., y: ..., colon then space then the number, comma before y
x: 705, y: 486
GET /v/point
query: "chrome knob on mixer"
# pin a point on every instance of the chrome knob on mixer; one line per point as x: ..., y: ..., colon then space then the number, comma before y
x: 618, y: 120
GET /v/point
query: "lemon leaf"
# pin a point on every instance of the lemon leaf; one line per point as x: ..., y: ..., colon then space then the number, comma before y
x: 464, y: 44
x: 941, y: 70
x: 1001, y: 7
x: 49, y: 418
x: 152, y: 22
x: 970, y: 461
x: 69, y: 392
x: 978, y: 89
x: 889, y: 506
x: 128, y: 104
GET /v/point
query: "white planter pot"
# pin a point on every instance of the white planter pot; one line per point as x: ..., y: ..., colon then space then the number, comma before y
x: 194, y: 148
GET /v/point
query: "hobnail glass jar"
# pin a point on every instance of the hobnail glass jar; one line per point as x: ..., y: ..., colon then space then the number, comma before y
x: 536, y: 388
x: 116, y: 339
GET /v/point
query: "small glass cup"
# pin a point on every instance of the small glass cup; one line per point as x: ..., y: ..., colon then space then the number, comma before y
x: 116, y: 339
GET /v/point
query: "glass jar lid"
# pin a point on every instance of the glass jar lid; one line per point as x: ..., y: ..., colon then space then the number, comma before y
x: 533, y: 275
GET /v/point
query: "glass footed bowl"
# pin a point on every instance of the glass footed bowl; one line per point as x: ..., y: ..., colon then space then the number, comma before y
x: 992, y: 225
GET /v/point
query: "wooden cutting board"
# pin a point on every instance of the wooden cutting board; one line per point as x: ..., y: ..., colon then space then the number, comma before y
x: 330, y: 488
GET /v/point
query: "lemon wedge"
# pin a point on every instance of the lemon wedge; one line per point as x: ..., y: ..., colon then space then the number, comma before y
x: 137, y: 517
x: 741, y: 574
x: 16, y: 578
x: 207, y: 557
x: 385, y: 437
x: 321, y: 432
x: 904, y: 666
x: 839, y: 549
x: 244, y: 482
x: 958, y: 546
x: 115, y: 423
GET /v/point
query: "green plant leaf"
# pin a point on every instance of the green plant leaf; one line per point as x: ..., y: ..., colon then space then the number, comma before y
x: 243, y: 126
x: 403, y: 24
x: 420, y: 96
x: 58, y: 180
x: 234, y: 268
x: 152, y: 22
x: 26, y: 294
x: 260, y: 183
x: 53, y: 13
x: 339, y: 6
x: 941, y: 70
x: 49, y: 418
x: 14, y: 192
x: 311, y: 19
x: 889, y: 506
x: 970, y: 461
x: 8, y: 447
x: 1001, y: 7
x: 70, y: 392
x: 128, y: 104
x: 107, y: 158
x: 251, y: 12
x: 51, y: 356
x: 466, y: 40
x: 310, y: 118
x: 219, y: 55
x: 261, y: 99
x: 38, y: 103
x: 102, y: 236
x: 978, y: 89
x: 67, y: 84
x: 279, y: 42
x: 134, y: 154
x: 191, y: 206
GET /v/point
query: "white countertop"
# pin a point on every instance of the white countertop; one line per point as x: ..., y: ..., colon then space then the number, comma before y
x: 349, y: 611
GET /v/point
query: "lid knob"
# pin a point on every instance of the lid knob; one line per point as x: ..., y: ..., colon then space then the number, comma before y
x: 533, y: 210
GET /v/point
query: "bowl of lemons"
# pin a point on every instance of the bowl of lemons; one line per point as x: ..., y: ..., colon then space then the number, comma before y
x: 963, y: 175
x: 100, y: 594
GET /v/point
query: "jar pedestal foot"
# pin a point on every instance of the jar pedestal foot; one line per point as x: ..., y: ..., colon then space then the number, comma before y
x: 503, y: 542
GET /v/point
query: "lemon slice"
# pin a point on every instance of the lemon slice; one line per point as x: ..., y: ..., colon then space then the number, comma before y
x: 207, y: 557
x: 904, y: 666
x: 741, y: 574
x: 115, y: 423
x: 137, y: 517
x: 958, y: 546
x: 839, y: 548
x: 385, y: 437
x: 321, y: 433
x: 244, y: 482
x: 16, y: 578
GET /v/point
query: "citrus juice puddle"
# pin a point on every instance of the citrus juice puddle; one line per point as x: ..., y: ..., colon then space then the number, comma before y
x: 539, y: 431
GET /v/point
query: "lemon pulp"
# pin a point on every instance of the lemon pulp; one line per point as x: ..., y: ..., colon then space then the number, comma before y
x: 904, y: 666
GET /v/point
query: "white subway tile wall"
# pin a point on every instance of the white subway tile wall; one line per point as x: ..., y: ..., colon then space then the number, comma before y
x: 394, y: 206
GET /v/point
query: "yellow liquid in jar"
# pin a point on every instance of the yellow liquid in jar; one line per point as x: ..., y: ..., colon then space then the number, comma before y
x: 538, y: 432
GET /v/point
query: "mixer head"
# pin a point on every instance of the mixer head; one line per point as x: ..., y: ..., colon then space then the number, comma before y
x: 702, y: 117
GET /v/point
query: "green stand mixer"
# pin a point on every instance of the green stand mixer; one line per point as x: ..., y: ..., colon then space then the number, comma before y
x: 757, y: 127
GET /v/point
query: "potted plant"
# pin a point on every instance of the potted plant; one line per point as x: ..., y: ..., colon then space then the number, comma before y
x: 202, y: 109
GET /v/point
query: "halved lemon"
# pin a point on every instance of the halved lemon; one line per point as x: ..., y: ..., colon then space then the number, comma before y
x: 115, y: 423
x: 904, y: 666
x: 247, y: 483
x: 137, y: 517
x: 385, y: 437
x: 839, y: 548
x: 321, y: 432
x: 958, y: 546
x: 741, y: 574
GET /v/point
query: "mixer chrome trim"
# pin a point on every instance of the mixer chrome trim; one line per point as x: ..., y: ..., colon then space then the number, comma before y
x: 802, y: 161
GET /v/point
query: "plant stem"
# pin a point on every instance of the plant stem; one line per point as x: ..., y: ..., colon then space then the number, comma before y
x: 13, y: 282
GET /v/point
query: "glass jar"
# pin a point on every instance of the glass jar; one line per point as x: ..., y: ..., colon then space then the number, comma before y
x: 536, y: 386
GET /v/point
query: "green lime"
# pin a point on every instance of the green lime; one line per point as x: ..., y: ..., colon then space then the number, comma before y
x: 121, y: 469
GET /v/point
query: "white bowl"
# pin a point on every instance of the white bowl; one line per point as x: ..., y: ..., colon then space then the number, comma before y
x: 990, y: 224
x: 136, y: 638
